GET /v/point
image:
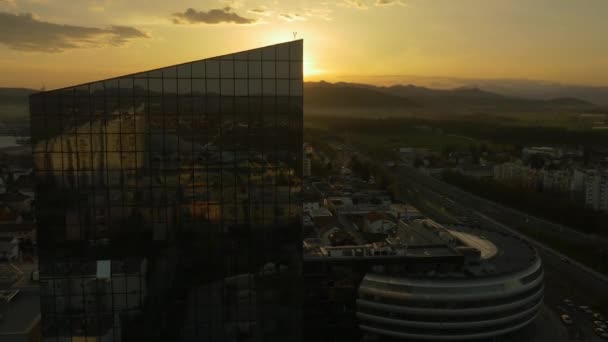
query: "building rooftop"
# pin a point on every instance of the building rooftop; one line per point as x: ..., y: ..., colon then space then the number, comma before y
x: 482, y: 252
x: 501, y: 253
x: 496, y: 252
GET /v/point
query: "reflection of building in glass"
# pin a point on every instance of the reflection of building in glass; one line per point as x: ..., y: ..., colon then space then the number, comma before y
x: 169, y: 202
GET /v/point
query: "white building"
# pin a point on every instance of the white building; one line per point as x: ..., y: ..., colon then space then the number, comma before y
x: 9, y: 248
x: 545, y: 151
x: 308, y: 207
x: 516, y: 172
x: 596, y: 190
x: 578, y: 180
x: 306, y: 167
x: 557, y: 180
x: 404, y: 212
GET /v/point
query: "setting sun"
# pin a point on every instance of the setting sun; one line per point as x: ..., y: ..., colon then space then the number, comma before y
x: 310, y: 67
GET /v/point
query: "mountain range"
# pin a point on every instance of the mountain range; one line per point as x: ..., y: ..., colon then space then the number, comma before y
x: 353, y: 96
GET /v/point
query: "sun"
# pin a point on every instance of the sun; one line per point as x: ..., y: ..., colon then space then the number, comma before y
x: 310, y: 67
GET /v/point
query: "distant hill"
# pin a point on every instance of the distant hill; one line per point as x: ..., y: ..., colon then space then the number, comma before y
x: 14, y: 105
x: 324, y: 94
x: 465, y: 99
x: 570, y: 101
x: 547, y: 91
x: 15, y: 96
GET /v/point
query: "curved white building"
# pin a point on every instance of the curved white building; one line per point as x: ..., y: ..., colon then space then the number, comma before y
x: 499, y: 290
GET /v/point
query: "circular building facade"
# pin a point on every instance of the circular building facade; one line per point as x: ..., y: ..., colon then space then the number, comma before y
x: 499, y: 290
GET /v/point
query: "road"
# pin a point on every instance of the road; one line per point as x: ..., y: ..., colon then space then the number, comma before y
x: 564, y: 278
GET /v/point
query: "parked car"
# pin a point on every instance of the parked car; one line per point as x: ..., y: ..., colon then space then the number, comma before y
x: 600, y: 324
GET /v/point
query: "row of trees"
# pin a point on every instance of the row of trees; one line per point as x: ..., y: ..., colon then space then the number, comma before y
x: 495, y: 131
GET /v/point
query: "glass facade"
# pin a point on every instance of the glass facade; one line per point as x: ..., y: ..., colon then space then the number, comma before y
x: 169, y: 202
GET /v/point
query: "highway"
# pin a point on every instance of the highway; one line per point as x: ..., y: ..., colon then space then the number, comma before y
x: 564, y: 278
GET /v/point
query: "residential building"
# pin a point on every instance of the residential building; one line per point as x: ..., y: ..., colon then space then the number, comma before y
x: 307, y: 166
x: 377, y: 223
x: 557, y: 180
x: 16, y: 201
x: 9, y: 248
x: 596, y: 190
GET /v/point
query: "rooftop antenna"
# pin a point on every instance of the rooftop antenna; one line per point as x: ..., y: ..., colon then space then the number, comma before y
x: 295, y: 34
x: 42, y: 87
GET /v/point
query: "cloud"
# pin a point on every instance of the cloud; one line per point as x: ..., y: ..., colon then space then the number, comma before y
x: 389, y: 2
x: 291, y: 16
x: 359, y: 4
x: 8, y: 5
x: 262, y: 11
x: 27, y: 33
x: 214, y: 16
x: 259, y: 10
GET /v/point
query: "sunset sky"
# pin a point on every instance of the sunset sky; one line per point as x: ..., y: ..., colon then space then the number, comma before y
x: 62, y: 42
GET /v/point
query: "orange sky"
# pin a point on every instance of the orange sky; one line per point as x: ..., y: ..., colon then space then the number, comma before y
x: 61, y: 42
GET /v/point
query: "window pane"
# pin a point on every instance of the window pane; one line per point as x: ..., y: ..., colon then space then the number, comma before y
x: 227, y: 87
x: 213, y: 86
x: 268, y: 69
x: 170, y: 72
x: 283, y: 52
x: 255, y: 69
x: 255, y: 86
x: 212, y: 68
x: 227, y: 68
x: 282, y: 69
x: 240, y: 69
x: 269, y: 86
x: 184, y: 87
x: 198, y: 69
x: 268, y: 53
x: 198, y: 86
x: 183, y: 71
x: 295, y: 70
x: 241, y: 87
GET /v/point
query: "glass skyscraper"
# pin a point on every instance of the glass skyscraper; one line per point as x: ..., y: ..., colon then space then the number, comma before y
x: 169, y: 202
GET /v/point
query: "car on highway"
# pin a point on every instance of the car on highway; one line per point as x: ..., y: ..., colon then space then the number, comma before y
x: 601, y: 333
x: 600, y: 324
x: 566, y: 319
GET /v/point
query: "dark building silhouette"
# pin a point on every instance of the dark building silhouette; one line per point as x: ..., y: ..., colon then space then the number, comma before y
x: 168, y: 202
